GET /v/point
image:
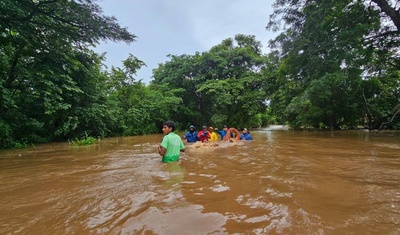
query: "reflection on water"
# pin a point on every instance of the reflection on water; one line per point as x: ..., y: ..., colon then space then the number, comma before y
x: 281, y: 183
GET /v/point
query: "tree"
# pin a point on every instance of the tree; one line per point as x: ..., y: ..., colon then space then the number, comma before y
x: 221, y: 86
x: 46, y: 64
x: 324, y: 39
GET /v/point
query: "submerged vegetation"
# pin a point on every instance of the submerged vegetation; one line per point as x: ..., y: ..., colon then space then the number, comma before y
x: 335, y: 65
x: 86, y: 141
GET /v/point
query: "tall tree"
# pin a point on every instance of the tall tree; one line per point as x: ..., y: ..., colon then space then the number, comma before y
x: 324, y: 39
x: 45, y: 62
x: 222, y: 85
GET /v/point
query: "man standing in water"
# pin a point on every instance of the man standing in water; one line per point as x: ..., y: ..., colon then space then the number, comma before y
x: 204, y: 135
x: 171, y: 144
x: 191, y: 135
x: 245, y: 135
x: 223, y: 132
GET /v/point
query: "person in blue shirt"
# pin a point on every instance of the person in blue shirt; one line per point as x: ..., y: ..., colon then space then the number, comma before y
x: 223, y: 132
x: 191, y: 135
x: 245, y: 135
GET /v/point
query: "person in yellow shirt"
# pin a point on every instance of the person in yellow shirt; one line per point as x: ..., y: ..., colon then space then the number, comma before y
x: 213, y: 134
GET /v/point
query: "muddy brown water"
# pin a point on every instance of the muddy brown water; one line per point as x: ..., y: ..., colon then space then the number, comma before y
x: 282, y: 182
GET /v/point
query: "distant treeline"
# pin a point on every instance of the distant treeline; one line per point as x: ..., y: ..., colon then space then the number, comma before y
x: 335, y: 65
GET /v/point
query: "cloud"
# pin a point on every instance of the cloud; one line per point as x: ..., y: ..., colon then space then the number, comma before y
x: 181, y: 27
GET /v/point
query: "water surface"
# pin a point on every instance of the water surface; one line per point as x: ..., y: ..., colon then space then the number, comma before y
x: 282, y: 182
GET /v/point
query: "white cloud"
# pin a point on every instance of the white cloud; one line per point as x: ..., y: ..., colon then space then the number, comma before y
x: 181, y: 27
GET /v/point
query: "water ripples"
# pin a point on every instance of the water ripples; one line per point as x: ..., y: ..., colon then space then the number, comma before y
x: 280, y: 183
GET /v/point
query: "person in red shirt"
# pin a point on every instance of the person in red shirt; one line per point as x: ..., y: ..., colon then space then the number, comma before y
x: 204, y: 135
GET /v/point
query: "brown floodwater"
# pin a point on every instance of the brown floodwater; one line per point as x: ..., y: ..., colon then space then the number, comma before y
x: 283, y: 182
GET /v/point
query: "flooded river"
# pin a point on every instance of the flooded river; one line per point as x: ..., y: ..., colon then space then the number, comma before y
x: 282, y: 182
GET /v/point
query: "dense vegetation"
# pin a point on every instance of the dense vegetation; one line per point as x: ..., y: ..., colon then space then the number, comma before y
x: 335, y: 65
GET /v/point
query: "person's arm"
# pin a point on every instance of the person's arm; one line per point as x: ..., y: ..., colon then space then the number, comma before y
x: 219, y: 132
x: 161, y: 150
x: 182, y: 146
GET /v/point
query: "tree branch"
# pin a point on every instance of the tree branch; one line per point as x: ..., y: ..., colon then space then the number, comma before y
x: 11, y: 74
x: 391, y: 120
x: 389, y: 11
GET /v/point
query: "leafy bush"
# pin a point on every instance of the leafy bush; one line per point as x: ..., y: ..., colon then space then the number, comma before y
x: 6, y: 139
x: 86, y: 141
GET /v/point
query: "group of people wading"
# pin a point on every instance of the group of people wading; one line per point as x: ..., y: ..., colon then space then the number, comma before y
x: 209, y: 134
x: 172, y: 144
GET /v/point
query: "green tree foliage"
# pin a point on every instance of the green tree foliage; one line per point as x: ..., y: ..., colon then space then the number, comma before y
x: 381, y: 98
x: 326, y: 103
x: 138, y: 109
x: 50, y: 82
x: 221, y: 86
x: 183, y: 72
x: 328, y: 51
x: 335, y: 65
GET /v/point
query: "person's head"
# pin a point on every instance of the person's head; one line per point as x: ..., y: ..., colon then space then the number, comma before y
x: 168, y: 126
x: 225, y: 128
x: 245, y: 130
x: 210, y: 129
x: 204, y: 128
x: 192, y: 128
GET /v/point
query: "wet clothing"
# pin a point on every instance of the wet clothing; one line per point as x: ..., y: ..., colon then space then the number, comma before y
x: 173, y: 145
x: 204, y: 136
x: 191, y: 136
x: 213, y: 136
x: 222, y: 134
x: 246, y: 136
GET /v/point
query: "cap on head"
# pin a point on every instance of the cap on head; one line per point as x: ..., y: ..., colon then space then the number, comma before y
x: 225, y: 126
x: 210, y: 128
x: 191, y: 126
x: 204, y: 127
x: 245, y: 129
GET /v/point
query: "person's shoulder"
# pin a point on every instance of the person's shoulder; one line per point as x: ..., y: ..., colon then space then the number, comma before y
x: 172, y: 135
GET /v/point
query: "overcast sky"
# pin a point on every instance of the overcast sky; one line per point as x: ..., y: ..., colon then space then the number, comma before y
x: 181, y: 27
